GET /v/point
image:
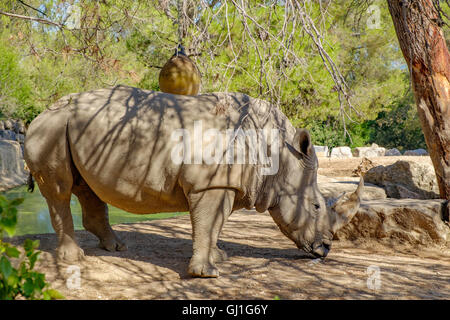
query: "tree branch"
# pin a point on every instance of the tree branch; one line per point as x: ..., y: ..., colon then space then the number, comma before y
x: 40, y: 20
x: 27, y: 5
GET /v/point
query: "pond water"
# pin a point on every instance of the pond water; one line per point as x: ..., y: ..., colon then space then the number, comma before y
x: 33, y: 216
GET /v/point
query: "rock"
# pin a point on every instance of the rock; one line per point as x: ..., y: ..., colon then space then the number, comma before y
x: 369, y: 152
x: 341, y: 152
x: 405, y: 193
x: 405, y: 179
x: 8, y: 135
x: 19, y: 127
x: 332, y: 188
x: 392, y: 153
x: 12, y: 165
x: 407, y: 221
x: 363, y: 167
x: 8, y: 124
x: 20, y: 138
x: 321, y: 151
x: 416, y: 152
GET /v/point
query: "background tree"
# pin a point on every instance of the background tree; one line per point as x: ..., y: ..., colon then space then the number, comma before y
x: 320, y: 61
x: 418, y: 26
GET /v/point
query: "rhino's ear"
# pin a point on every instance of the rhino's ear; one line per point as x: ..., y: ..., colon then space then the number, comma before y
x: 302, y: 141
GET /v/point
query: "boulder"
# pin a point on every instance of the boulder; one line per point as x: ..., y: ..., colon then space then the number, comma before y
x: 393, y: 152
x: 416, y: 152
x: 406, y: 221
x: 341, y: 152
x: 8, y: 135
x: 364, y: 166
x: 8, y: 124
x: 19, y: 127
x: 405, y: 179
x: 332, y: 188
x: 20, y: 138
x: 12, y: 165
x: 369, y: 152
x: 321, y: 151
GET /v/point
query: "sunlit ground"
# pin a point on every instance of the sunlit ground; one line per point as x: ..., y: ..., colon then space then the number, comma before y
x: 34, y: 218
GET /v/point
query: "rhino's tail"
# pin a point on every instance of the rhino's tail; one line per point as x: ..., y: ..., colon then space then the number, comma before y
x: 30, y: 183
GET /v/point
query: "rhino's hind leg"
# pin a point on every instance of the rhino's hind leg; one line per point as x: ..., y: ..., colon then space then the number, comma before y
x: 57, y: 194
x: 95, y: 217
x: 62, y: 222
x: 208, y: 211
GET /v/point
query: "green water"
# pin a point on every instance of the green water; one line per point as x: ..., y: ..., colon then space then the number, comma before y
x: 34, y: 218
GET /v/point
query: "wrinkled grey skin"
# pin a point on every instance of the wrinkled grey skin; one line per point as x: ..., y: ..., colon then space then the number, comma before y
x: 113, y: 146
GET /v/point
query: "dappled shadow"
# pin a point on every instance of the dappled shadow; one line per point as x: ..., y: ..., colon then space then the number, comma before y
x: 262, y: 264
x: 161, y: 249
x: 120, y: 145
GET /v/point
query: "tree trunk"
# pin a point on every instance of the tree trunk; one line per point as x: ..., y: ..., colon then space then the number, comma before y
x: 421, y: 39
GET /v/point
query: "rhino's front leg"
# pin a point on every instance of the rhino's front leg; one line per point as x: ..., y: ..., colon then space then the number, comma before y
x: 208, y: 210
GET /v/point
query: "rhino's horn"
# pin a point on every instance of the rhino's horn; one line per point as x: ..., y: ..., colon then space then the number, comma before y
x: 346, y: 206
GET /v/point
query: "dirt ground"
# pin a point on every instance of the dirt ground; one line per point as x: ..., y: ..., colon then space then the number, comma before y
x: 263, y: 264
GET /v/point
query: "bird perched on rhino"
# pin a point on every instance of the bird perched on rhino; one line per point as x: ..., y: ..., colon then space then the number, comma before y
x: 180, y: 75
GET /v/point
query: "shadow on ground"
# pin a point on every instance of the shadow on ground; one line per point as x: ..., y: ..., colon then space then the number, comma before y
x: 262, y: 264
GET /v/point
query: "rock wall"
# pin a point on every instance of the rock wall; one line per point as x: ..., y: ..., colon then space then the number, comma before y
x: 341, y: 152
x: 405, y: 179
x: 408, y: 221
x: 390, y: 221
x: 12, y: 165
x: 369, y: 152
x: 333, y: 188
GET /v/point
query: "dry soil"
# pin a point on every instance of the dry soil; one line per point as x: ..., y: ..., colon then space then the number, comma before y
x: 263, y: 264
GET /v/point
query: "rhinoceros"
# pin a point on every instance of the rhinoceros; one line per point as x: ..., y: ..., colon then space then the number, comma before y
x: 116, y: 146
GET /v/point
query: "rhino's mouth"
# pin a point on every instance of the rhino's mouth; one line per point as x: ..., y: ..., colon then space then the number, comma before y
x: 317, y: 249
x: 321, y: 250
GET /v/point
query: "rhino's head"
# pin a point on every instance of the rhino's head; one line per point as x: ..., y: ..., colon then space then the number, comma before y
x: 300, y: 210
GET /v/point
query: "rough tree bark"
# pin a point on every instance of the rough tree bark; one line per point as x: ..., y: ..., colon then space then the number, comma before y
x: 421, y: 39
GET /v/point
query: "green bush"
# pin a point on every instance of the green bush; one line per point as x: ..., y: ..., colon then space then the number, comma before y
x: 15, y: 89
x: 399, y: 127
x: 327, y: 134
x: 331, y: 133
x: 20, y: 280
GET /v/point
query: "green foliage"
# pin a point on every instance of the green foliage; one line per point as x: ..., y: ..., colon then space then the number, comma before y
x: 39, y: 64
x: 8, y: 215
x: 330, y: 133
x: 399, y: 127
x: 326, y: 134
x: 148, y: 82
x: 15, y: 89
x: 17, y: 277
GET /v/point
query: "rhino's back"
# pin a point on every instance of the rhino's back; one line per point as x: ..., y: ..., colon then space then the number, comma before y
x: 120, y: 141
